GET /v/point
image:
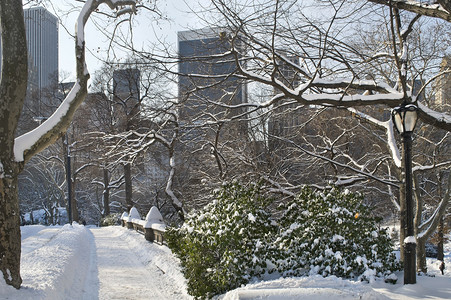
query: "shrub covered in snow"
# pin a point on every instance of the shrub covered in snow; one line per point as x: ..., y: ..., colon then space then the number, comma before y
x: 234, y: 239
x: 111, y: 220
x: 333, y: 233
x: 225, y: 244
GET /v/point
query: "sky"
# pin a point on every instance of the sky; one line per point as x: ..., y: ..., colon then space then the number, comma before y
x: 145, y: 31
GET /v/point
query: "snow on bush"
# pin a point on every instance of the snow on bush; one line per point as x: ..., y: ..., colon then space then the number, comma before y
x: 234, y: 239
x: 333, y: 233
x: 226, y: 243
x: 111, y: 220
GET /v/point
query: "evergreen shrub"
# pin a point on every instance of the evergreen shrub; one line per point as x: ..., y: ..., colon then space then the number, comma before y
x: 111, y: 220
x: 234, y: 239
x: 226, y: 243
x: 332, y: 232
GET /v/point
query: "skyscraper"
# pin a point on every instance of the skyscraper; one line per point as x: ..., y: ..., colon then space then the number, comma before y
x: 42, y: 39
x: 42, y: 42
x: 199, y: 68
x: 126, y: 85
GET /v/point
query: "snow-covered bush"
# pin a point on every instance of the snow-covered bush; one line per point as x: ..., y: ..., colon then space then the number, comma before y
x: 226, y: 243
x: 333, y: 233
x: 234, y: 239
x: 111, y: 220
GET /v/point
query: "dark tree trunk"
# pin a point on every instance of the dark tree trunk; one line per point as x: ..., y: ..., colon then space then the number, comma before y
x: 440, y: 250
x: 10, y: 245
x: 13, y: 87
x: 128, y: 186
x: 106, y: 193
x: 75, y: 215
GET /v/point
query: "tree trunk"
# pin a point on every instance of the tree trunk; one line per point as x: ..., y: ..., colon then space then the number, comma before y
x: 128, y: 186
x: 75, y: 215
x: 440, y: 250
x: 10, y: 245
x: 13, y: 87
x: 421, y: 255
x: 106, y: 193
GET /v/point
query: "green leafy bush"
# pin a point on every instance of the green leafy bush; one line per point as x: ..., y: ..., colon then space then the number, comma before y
x: 225, y: 244
x: 333, y: 233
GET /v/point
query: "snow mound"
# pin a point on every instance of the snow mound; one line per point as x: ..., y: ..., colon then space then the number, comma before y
x: 154, y: 216
x: 313, y: 287
x: 154, y: 220
x: 54, y: 265
x: 134, y: 214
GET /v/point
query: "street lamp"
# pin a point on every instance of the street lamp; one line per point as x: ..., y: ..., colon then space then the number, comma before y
x: 69, y: 180
x: 405, y: 119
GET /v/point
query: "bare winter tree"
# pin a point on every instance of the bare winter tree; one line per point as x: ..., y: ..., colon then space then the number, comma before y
x: 16, y: 151
x: 334, y: 70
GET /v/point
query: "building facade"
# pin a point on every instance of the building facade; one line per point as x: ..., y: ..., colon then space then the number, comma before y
x: 203, y: 82
x: 126, y: 97
x: 42, y: 39
x: 42, y: 42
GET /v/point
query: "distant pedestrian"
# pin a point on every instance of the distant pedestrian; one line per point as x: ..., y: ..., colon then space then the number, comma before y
x: 442, y: 267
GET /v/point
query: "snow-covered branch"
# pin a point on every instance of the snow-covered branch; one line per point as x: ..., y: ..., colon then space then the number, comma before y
x: 441, y: 10
x: 427, y: 227
x: 339, y: 164
x: 389, y: 129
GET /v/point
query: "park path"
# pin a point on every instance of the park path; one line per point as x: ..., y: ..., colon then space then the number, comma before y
x: 126, y: 270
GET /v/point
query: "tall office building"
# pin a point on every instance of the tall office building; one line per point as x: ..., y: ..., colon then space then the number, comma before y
x: 42, y: 42
x: 126, y: 86
x: 285, y: 119
x: 196, y: 48
x: 42, y: 39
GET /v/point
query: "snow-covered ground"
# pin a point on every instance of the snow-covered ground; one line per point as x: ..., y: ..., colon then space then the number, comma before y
x: 77, y: 262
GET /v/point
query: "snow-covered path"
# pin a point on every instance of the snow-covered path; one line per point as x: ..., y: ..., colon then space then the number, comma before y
x: 81, y: 263
x: 125, y: 272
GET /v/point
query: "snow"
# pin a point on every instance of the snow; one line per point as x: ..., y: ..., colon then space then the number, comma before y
x: 29, y: 139
x: 78, y: 262
x: 410, y: 240
x: 154, y: 219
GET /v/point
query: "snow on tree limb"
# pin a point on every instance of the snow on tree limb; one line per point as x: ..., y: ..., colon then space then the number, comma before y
x: 441, y: 10
x: 427, y: 227
x: 437, y: 119
x: 388, y: 127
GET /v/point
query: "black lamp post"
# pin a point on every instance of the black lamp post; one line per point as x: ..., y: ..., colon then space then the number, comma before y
x: 69, y: 181
x: 405, y: 119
